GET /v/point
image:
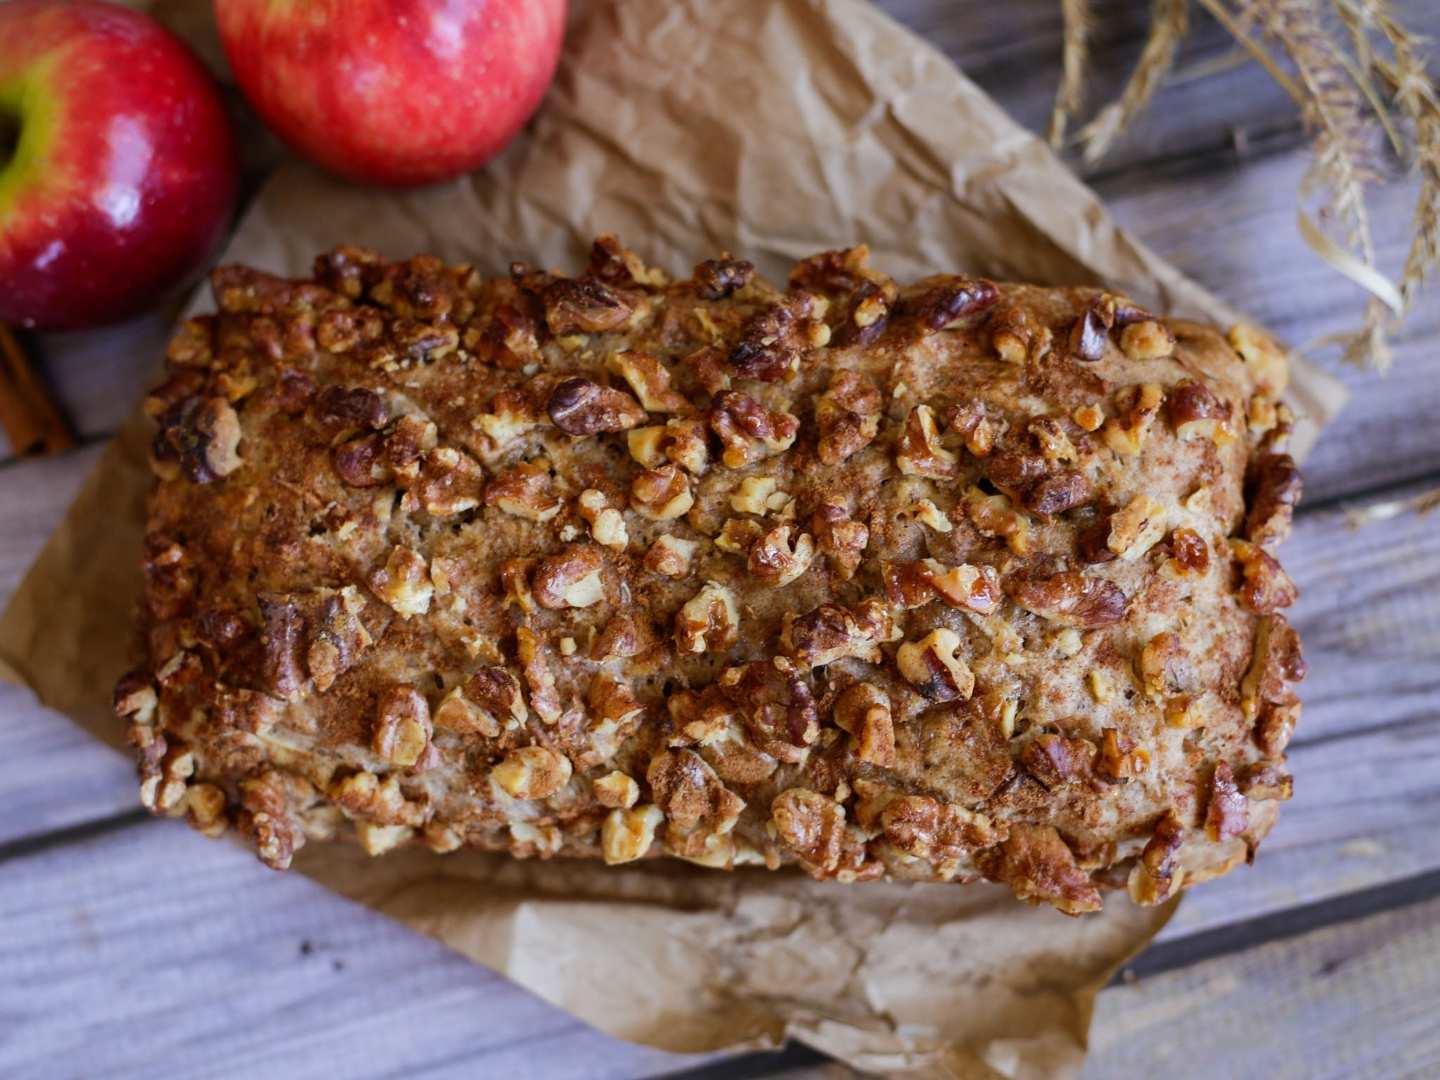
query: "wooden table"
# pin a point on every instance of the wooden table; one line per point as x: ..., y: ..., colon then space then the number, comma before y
x: 132, y: 946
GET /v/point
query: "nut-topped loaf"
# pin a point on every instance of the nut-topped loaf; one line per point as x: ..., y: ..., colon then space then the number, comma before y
x: 940, y: 581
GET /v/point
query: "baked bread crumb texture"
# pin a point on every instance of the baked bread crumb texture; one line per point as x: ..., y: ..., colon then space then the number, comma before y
x: 939, y: 581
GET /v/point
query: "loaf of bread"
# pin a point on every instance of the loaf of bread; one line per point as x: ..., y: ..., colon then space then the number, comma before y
x: 940, y: 581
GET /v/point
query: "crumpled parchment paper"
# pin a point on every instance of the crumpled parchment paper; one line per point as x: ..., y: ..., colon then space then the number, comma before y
x: 773, y: 130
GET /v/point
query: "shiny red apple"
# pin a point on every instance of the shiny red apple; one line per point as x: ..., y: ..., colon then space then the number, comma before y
x: 117, y: 168
x: 394, y: 92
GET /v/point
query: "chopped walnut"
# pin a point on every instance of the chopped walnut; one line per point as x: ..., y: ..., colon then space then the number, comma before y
x: 627, y: 834
x: 534, y: 658
x: 738, y: 535
x: 670, y: 556
x: 199, y: 436
x: 510, y: 416
x: 1274, y: 488
x: 977, y: 425
x: 607, y: 524
x: 1268, y: 363
x: 1017, y: 335
x: 1265, y: 588
x: 994, y: 515
x: 843, y: 271
x: 647, y: 445
x: 616, y: 790
x: 932, y: 666
x: 449, y: 483
x: 532, y: 772
x: 661, y: 494
x: 1190, y: 555
x: 1050, y: 435
x: 940, y: 301
x: 716, y: 279
x: 650, y: 381
x: 529, y: 841
x: 1127, y: 436
x: 526, y: 491
x: 583, y: 306
x: 754, y: 494
x: 778, y: 560
x: 696, y: 803
x: 1137, y: 528
x: 1158, y: 873
x: 1088, y: 417
x: 847, y: 415
x: 773, y: 340
x: 1228, y: 812
x: 1196, y: 412
x: 918, y: 451
x: 583, y: 407
x: 831, y: 632
x: 841, y: 539
x: 346, y: 408
x: 1163, y: 666
x: 404, y: 583
x: 709, y: 621
x: 935, y: 831
x: 402, y: 726
x: 1120, y: 759
x: 1148, y: 339
x: 379, y: 839
x: 458, y: 714
x: 1070, y: 598
x: 685, y: 444
x: 864, y: 711
x: 1056, y: 759
x: 1090, y: 333
x: 571, y: 578
x: 748, y: 430
x: 615, y: 264
x: 1265, y: 689
x: 1264, y: 781
x: 498, y: 692
x: 266, y: 819
x: 1037, y: 864
x: 912, y: 584
x: 813, y: 828
x: 205, y: 806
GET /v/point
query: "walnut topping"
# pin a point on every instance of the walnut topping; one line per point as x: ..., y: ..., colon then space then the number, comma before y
x: 582, y: 407
x: 456, y: 713
x: 1127, y: 436
x: 526, y: 491
x: 1228, y: 813
x: 266, y: 819
x: 935, y: 831
x: 864, y: 712
x: 686, y: 445
x: 628, y: 834
x: 205, y: 809
x: 748, y: 430
x: 777, y: 705
x: 1055, y: 759
x: 831, y: 632
x: 1148, y: 339
x: 670, y: 556
x: 848, y: 416
x: 918, y: 451
x: 738, y: 535
x: 709, y: 621
x: 647, y: 445
x: 842, y: 540
x: 834, y: 272
x: 1158, y: 873
x: 201, y: 436
x: 616, y: 790
x: 1017, y: 335
x: 932, y: 666
x: 1266, y: 781
x: 1266, y: 690
x: 1190, y: 555
x: 694, y: 800
x: 532, y: 772
x: 1037, y: 864
x: 404, y: 583
x: 994, y: 515
x: 1268, y: 364
x: 607, y: 524
x: 570, y: 578
x: 1137, y: 528
x: 1070, y: 598
x: 773, y: 340
x: 912, y: 584
x: 1274, y: 489
x: 449, y: 483
x: 534, y: 657
x: 1265, y: 587
x: 813, y: 828
x: 583, y: 306
x: 510, y: 416
x: 615, y: 264
x: 940, y: 301
x: 715, y: 279
x: 977, y: 425
x: 754, y: 494
x: 1090, y: 333
x: 778, y: 560
x: 1120, y: 760
x: 1195, y: 411
x: 346, y: 408
x: 1050, y: 435
x: 661, y: 494
x: 402, y: 726
x: 650, y: 381
x: 1163, y: 666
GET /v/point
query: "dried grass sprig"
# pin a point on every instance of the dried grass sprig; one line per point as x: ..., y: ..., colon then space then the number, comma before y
x: 1075, y: 51
x: 1169, y: 21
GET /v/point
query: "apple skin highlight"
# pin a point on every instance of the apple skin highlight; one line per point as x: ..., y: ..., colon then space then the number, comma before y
x: 119, y: 176
x: 397, y: 93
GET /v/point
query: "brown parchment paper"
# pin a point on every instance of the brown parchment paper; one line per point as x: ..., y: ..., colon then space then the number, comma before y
x: 772, y: 129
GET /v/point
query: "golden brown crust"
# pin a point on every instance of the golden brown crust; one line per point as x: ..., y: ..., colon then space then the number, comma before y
x: 932, y: 581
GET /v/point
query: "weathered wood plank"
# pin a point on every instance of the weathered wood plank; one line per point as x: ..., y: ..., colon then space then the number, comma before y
x: 1353, y: 999
x: 226, y: 969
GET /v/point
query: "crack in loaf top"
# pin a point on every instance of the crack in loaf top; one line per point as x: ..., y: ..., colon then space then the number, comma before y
x: 934, y: 581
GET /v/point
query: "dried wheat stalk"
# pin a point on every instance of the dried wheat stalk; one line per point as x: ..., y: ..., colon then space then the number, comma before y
x: 1359, y: 80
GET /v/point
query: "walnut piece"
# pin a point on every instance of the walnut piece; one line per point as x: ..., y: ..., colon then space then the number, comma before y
x: 404, y: 583
x: 650, y: 381
x: 1265, y: 588
x: 1137, y: 528
x: 402, y: 726
x: 1274, y: 487
x: 670, y: 556
x: 813, y: 828
x: 848, y: 416
x: 583, y: 306
x: 526, y: 491
x: 864, y: 711
x: 1228, y: 812
x: 583, y: 407
x: 532, y: 772
x: 1148, y: 339
x: 1157, y: 874
x: 1017, y: 335
x: 1070, y: 598
x: 1037, y: 864
x: 1195, y: 411
x: 661, y: 494
x: 748, y: 430
x: 627, y: 834
x: 1127, y: 436
x: 571, y: 578
x: 777, y: 560
x: 709, y: 621
x: 918, y: 451
x: 932, y: 666
x: 616, y: 790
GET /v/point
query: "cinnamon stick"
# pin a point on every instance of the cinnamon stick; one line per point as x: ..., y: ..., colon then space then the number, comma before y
x: 31, y: 420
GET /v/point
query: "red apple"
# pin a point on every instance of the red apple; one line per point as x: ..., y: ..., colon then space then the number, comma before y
x: 117, y: 168
x: 394, y: 92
